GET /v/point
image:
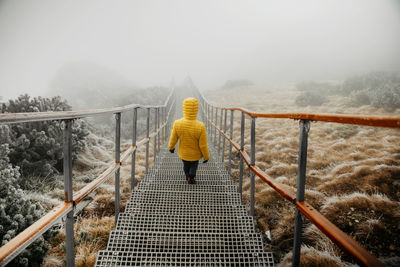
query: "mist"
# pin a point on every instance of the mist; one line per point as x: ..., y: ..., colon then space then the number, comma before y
x: 151, y: 43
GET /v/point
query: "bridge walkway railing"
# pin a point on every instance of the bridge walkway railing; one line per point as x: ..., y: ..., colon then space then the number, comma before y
x: 163, y: 115
x: 216, y: 124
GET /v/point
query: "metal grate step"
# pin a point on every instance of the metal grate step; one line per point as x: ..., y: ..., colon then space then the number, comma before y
x: 207, y: 172
x: 200, y: 181
x: 192, y: 224
x: 168, y: 222
x: 184, y: 242
x: 118, y: 258
x: 223, y: 189
x: 174, y: 166
x: 166, y: 208
x: 188, y: 198
x: 182, y: 176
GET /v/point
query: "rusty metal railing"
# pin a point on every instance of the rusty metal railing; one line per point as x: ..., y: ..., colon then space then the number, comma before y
x: 163, y: 121
x: 296, y: 197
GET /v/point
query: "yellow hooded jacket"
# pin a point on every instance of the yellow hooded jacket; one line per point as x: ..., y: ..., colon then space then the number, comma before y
x: 191, y: 134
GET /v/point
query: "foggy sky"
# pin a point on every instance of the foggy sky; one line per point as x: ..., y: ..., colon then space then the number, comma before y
x: 151, y: 42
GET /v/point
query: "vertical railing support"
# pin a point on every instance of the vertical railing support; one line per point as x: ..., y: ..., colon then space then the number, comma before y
x: 164, y: 120
x: 155, y: 136
x: 117, y: 161
x: 148, y: 139
x: 230, y: 144
x: 166, y: 124
x: 211, y: 121
x: 69, y: 223
x: 216, y: 125
x: 134, y: 136
x: 252, y: 163
x: 301, y: 184
x: 223, y: 138
x: 220, y: 135
x: 208, y: 117
x: 159, y: 117
x: 242, y: 125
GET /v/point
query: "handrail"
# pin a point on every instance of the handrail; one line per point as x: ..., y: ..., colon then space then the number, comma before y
x: 12, y: 248
x: 8, y: 118
x: 375, y: 121
x: 34, y: 231
x: 349, y: 245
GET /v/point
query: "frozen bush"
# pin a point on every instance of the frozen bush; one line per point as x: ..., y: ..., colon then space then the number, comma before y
x: 309, y: 99
x: 359, y: 98
x: 386, y: 96
x: 17, y: 212
x: 37, y: 147
x: 379, y: 89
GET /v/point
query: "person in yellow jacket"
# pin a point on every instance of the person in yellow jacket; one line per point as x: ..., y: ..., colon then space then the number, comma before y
x: 192, y: 139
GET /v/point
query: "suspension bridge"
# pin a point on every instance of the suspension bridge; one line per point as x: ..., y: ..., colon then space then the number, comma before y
x: 168, y: 222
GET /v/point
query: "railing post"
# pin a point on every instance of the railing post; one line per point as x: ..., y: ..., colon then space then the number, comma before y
x: 159, y: 117
x: 148, y: 139
x: 242, y: 125
x: 216, y: 125
x: 223, y: 138
x: 211, y: 121
x: 230, y: 144
x: 117, y: 161
x: 164, y: 122
x: 252, y: 163
x: 301, y: 182
x: 133, y: 166
x: 155, y: 136
x: 69, y: 223
x: 208, y: 118
x: 220, y: 135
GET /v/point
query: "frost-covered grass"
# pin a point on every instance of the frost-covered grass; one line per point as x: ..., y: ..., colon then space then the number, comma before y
x: 353, y: 175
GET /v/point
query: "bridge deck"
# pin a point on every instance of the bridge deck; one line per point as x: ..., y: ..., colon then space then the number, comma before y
x: 168, y: 222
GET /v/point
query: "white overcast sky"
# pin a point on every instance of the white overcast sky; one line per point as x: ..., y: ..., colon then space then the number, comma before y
x: 149, y: 42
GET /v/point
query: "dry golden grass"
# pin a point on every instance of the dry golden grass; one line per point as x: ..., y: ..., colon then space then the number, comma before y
x: 353, y: 173
x: 91, y: 235
x: 311, y: 257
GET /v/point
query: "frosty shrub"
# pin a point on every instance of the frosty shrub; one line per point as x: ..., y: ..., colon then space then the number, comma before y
x: 352, y: 84
x: 17, y: 212
x: 380, y: 89
x: 359, y: 98
x: 308, y: 98
x: 37, y: 147
x: 386, y: 96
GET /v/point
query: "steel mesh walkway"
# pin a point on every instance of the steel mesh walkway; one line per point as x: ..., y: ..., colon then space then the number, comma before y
x: 168, y: 222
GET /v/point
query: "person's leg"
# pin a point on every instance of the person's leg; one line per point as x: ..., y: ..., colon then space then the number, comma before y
x: 193, y: 170
x: 186, y: 169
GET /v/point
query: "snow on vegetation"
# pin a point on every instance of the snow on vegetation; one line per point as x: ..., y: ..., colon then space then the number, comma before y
x: 353, y: 172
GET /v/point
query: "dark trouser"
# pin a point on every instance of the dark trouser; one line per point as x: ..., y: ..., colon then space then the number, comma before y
x: 190, y: 168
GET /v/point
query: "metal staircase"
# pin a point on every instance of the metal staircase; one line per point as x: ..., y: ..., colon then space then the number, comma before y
x: 168, y: 222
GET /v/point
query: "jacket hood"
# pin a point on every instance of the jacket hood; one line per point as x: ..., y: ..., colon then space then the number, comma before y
x: 190, y: 108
